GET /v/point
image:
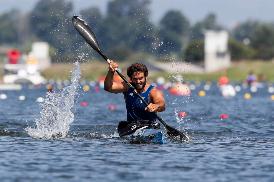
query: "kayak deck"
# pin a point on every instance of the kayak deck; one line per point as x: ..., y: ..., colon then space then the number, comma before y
x: 147, y: 136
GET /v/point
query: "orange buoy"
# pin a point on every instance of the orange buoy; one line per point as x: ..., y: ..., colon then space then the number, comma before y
x: 223, y: 80
x: 180, y: 89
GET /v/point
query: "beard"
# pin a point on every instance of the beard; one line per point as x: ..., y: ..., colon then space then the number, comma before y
x: 139, y: 86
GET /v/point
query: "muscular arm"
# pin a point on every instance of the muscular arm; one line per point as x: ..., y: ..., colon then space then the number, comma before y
x: 158, y: 101
x: 114, y: 87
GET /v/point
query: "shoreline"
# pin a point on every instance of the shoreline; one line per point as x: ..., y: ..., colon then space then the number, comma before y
x: 93, y: 70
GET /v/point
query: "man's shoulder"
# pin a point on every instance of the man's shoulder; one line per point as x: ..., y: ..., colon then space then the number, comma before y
x: 155, y: 90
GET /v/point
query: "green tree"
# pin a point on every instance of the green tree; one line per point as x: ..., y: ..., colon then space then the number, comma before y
x: 93, y: 17
x: 8, y: 27
x: 245, y: 31
x: 239, y: 51
x: 171, y: 42
x: 174, y: 30
x: 127, y: 26
x: 208, y: 23
x: 195, y: 51
x: 175, y: 21
x: 263, y: 41
x: 51, y: 21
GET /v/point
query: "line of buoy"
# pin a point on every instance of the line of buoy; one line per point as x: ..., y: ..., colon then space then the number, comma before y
x: 183, y: 114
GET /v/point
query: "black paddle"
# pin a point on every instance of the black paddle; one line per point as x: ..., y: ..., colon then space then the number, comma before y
x: 85, y: 31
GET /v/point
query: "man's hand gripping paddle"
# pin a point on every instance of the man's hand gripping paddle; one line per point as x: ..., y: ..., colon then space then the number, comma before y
x: 85, y: 31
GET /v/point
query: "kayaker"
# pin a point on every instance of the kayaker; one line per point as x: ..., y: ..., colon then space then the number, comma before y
x: 137, y: 111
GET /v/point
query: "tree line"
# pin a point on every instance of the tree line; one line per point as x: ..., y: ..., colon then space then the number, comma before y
x: 126, y: 30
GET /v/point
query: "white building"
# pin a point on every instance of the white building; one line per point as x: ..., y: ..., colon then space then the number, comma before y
x: 216, y: 51
x: 40, y: 54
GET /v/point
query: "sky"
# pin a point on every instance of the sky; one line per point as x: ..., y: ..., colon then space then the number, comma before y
x: 229, y: 12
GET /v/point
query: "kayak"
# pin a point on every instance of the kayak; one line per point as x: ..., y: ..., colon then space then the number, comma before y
x: 141, y: 132
x: 147, y: 136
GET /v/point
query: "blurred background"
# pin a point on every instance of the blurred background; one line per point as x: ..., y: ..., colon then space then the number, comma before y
x: 212, y: 59
x: 199, y: 40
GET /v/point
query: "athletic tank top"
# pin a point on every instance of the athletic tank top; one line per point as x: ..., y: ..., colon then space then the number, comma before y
x: 136, y: 107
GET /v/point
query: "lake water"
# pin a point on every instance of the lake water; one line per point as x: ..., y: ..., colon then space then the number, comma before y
x: 239, y: 148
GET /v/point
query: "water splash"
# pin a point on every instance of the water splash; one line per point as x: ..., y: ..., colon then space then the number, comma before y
x: 178, y: 119
x: 56, y: 114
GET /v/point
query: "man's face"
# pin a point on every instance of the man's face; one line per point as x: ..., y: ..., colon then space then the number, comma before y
x: 138, y: 80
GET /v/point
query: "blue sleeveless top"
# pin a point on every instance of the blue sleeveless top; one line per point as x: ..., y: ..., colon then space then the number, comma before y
x: 136, y: 107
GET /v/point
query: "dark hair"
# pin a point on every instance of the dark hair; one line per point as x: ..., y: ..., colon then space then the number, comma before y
x: 137, y: 67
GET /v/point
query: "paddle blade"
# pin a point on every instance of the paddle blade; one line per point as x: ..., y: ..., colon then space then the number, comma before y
x: 85, y: 31
x: 176, y: 134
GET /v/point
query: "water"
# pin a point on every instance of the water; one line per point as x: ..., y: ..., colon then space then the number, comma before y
x: 239, y: 148
x: 56, y: 113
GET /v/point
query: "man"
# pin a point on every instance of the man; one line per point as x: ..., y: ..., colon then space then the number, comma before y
x: 137, y: 111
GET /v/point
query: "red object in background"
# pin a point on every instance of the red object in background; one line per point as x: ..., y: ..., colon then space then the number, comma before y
x: 182, y: 114
x: 180, y: 90
x: 224, y: 116
x: 223, y: 80
x: 13, y: 56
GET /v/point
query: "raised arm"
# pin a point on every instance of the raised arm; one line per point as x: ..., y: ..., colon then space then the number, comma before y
x: 109, y: 84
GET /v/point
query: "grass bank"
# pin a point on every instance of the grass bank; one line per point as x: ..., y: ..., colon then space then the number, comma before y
x: 94, y: 69
x: 237, y: 72
x: 89, y: 71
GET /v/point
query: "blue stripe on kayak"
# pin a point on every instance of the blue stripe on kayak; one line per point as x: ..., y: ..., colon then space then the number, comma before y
x: 149, y: 136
